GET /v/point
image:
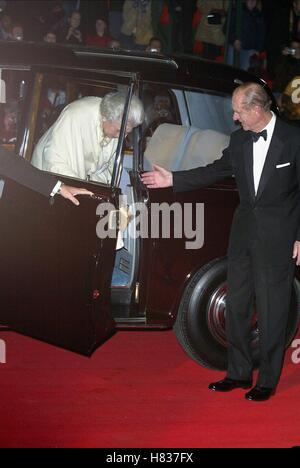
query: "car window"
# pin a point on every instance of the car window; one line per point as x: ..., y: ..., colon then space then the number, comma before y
x: 68, y: 137
x: 13, y: 86
x: 210, y: 110
x: 160, y: 106
x: 197, y: 137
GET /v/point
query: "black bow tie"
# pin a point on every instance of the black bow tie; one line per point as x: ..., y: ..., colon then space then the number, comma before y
x: 256, y: 136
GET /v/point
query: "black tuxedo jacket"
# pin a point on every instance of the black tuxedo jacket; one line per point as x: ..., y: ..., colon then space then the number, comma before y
x: 21, y: 171
x: 269, y: 221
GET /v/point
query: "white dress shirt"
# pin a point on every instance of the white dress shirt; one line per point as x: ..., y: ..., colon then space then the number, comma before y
x: 56, y: 188
x: 260, y: 151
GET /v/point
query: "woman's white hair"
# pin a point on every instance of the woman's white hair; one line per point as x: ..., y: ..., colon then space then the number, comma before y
x: 113, y: 104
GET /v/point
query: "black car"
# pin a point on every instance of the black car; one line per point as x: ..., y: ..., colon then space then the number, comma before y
x: 61, y: 282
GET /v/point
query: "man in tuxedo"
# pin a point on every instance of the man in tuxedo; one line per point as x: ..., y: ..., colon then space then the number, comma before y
x: 264, y: 158
x: 21, y: 171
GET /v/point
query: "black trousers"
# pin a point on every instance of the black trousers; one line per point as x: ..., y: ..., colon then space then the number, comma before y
x: 251, y: 282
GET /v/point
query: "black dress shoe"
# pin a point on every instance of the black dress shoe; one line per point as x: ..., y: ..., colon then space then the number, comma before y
x: 260, y: 393
x: 227, y: 385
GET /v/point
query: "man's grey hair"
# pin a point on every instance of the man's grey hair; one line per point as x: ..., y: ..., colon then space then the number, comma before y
x: 113, y: 104
x: 255, y: 95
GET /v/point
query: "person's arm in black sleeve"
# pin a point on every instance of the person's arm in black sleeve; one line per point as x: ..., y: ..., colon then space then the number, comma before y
x: 22, y: 172
x: 192, y: 179
x: 203, y: 176
x: 296, y: 248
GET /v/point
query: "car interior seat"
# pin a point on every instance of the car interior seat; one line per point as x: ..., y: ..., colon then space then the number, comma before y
x: 204, y: 147
x: 176, y: 147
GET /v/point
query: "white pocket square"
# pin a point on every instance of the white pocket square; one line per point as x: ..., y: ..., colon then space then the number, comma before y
x: 279, y: 166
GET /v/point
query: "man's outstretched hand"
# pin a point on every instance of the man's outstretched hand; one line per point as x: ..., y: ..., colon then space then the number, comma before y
x: 158, y: 178
x: 70, y: 193
x: 296, y: 252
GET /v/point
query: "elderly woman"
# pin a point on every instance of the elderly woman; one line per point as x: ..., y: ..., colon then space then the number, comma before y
x: 82, y: 142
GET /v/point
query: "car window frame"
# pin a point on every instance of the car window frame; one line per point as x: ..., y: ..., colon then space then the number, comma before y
x: 22, y: 100
x: 90, y: 78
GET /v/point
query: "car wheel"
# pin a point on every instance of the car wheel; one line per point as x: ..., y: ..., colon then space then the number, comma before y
x: 200, y: 323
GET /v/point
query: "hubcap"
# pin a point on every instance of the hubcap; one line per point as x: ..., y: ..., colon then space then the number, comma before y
x: 216, y: 316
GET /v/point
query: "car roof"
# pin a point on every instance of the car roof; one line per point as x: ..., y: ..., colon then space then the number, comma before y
x: 176, y: 69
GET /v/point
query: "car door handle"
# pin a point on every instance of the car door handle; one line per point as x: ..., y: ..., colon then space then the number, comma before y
x: 144, y: 192
x: 99, y: 198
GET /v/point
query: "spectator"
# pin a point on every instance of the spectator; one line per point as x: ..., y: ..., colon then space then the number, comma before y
x: 210, y: 29
x: 52, y: 103
x: 155, y: 45
x: 250, y: 40
x: 72, y: 34
x: 90, y: 11
x: 162, y: 22
x: 8, y: 119
x: 53, y: 19
x: 277, y: 22
x: 17, y: 32
x: 290, y: 102
x: 69, y: 6
x: 115, y: 44
x: 182, y: 13
x: 287, y: 67
x: 172, y: 24
x: 295, y: 21
x: 101, y: 38
x: 293, y: 50
x: 158, y: 112
x: 258, y: 67
x: 5, y: 27
x: 115, y: 17
x: 50, y: 37
x: 137, y: 24
x: 2, y: 5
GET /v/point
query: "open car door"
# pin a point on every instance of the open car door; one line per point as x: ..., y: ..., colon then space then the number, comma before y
x: 55, y: 273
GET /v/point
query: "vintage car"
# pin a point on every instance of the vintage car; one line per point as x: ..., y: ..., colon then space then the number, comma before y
x: 64, y: 284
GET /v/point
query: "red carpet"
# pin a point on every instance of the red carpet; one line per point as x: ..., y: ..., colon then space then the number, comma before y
x: 138, y: 390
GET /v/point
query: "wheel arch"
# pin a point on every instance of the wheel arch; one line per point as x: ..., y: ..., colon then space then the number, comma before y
x: 190, y: 278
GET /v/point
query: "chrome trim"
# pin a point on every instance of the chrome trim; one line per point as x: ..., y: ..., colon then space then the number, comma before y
x: 151, y: 58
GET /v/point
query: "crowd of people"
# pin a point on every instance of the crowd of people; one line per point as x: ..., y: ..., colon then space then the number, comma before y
x: 257, y: 35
